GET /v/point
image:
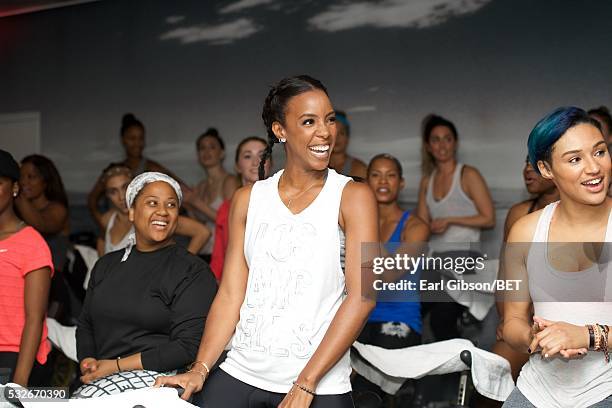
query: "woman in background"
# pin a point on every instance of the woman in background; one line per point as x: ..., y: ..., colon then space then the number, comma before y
x: 116, y: 224
x: 219, y: 185
x: 456, y: 203
x: 602, y: 115
x: 248, y: 156
x: 132, y: 134
x: 392, y: 324
x: 25, y: 277
x: 340, y: 160
x: 43, y: 204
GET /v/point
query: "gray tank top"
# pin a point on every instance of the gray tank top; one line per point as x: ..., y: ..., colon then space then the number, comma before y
x: 579, y: 298
x: 455, y: 204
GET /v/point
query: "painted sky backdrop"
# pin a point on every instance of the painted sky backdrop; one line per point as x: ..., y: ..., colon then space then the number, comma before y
x: 494, y: 67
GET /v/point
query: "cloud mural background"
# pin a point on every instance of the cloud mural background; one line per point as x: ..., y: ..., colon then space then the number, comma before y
x: 492, y: 66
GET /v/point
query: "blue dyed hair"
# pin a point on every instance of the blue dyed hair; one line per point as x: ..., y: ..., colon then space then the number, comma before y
x: 550, y: 129
x: 342, y: 118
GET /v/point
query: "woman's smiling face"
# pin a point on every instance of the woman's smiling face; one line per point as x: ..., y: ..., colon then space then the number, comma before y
x: 155, y: 215
x: 309, y: 128
x: 580, y: 165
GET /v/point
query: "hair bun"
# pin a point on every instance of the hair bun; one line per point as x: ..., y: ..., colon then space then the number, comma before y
x: 128, y: 118
x: 211, y: 131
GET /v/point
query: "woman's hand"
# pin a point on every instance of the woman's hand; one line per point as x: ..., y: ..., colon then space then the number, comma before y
x: 562, y: 338
x: 191, y: 382
x: 88, y: 365
x: 296, y: 398
x: 439, y: 225
x: 97, y: 369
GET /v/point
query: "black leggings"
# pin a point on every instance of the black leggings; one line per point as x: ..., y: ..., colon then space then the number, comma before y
x: 8, y: 363
x: 222, y: 390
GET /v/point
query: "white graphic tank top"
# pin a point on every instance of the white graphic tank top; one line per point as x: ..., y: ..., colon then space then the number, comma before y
x: 294, y: 289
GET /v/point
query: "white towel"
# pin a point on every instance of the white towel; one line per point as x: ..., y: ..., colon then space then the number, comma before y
x: 90, y: 256
x: 390, y: 368
x: 478, y: 303
x: 62, y: 337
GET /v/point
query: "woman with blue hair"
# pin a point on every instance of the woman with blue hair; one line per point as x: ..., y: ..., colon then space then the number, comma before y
x: 572, y: 312
x: 340, y: 160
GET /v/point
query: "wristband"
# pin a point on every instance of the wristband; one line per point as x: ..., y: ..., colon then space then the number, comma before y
x: 591, y: 336
x: 117, y: 360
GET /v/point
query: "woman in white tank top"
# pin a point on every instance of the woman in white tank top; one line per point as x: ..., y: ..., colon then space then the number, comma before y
x: 118, y: 229
x: 568, y: 148
x: 291, y: 309
x: 455, y: 201
x: 453, y: 198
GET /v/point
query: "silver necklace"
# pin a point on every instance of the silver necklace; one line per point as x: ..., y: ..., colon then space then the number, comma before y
x: 303, y: 191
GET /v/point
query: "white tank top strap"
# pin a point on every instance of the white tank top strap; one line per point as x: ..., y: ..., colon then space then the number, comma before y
x: 608, y: 237
x: 430, y: 197
x: 108, y: 243
x: 109, y: 226
x: 457, y: 177
x: 543, y: 226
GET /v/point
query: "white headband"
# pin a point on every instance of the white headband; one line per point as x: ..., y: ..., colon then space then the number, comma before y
x: 143, y: 179
x: 136, y: 185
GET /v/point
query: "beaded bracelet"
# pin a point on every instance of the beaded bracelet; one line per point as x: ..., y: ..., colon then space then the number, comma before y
x: 604, y: 342
x: 301, y: 387
x: 597, y: 337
